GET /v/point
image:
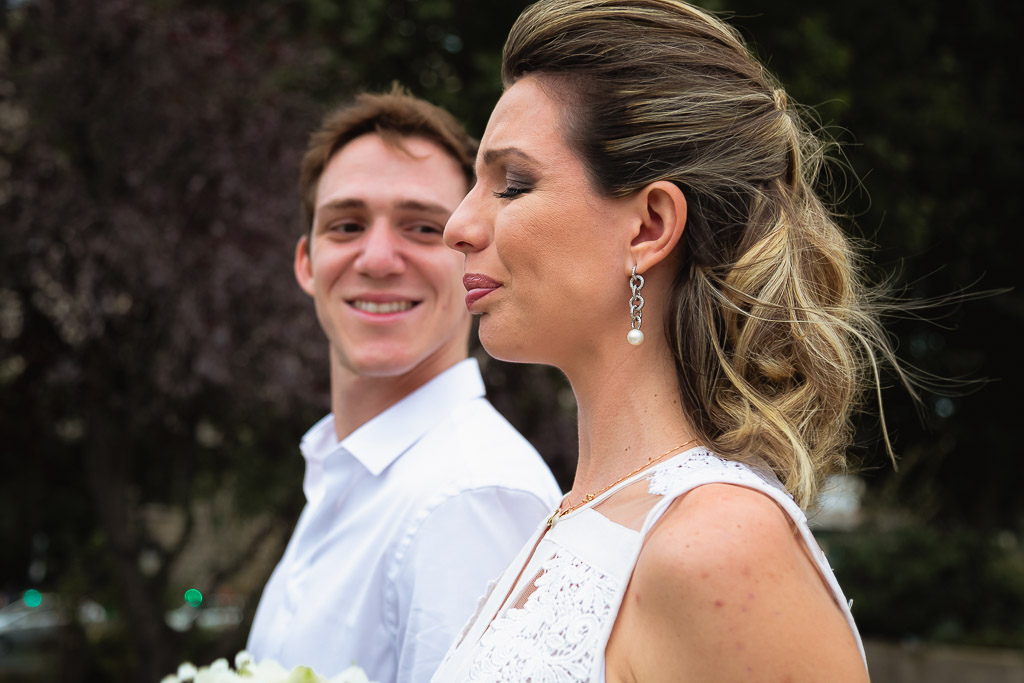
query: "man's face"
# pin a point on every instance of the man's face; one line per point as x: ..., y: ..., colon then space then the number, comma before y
x: 388, y: 292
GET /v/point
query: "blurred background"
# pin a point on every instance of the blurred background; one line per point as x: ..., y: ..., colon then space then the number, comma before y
x: 158, y: 364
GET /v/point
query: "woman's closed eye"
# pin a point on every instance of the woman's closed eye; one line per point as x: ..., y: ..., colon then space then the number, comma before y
x: 511, y: 192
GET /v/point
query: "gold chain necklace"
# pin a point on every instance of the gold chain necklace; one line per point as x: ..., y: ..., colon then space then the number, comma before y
x: 559, y: 513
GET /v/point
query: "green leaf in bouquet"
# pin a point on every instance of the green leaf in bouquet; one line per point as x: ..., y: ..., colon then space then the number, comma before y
x: 303, y: 674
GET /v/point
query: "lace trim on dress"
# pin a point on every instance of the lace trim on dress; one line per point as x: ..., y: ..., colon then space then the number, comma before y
x: 557, y: 633
x: 680, y: 472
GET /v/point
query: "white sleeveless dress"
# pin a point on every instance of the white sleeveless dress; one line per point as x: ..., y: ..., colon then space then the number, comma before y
x: 565, y: 587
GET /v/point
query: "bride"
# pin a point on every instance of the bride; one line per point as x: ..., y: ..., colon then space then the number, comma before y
x: 644, y: 219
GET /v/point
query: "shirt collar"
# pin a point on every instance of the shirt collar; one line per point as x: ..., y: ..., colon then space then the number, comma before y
x: 380, y: 441
x: 321, y: 440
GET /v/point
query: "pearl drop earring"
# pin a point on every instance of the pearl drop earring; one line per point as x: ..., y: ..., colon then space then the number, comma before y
x: 636, y: 307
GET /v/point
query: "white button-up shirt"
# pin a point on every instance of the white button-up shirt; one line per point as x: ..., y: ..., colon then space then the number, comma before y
x: 406, y: 521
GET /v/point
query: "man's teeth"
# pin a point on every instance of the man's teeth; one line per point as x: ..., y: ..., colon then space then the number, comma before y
x: 388, y: 307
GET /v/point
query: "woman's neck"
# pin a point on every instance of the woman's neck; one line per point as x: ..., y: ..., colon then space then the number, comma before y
x: 629, y: 413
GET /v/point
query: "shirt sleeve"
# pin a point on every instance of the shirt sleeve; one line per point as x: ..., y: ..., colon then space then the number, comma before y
x: 463, y: 544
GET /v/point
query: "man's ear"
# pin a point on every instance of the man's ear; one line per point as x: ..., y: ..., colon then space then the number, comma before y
x: 662, y: 218
x: 304, y: 265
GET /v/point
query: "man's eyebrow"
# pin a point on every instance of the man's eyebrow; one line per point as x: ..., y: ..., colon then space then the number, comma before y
x: 404, y: 204
x: 492, y: 155
x: 342, y: 204
x: 425, y: 207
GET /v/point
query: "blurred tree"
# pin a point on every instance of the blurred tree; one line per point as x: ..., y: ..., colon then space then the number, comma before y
x: 152, y: 346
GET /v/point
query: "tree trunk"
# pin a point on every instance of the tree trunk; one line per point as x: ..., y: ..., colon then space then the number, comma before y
x: 143, y: 612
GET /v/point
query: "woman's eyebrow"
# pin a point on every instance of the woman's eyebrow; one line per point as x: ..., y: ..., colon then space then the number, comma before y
x: 492, y: 155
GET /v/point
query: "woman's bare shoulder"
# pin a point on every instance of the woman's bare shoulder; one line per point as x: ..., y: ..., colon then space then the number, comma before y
x: 717, y: 549
x: 720, y: 527
x: 724, y: 587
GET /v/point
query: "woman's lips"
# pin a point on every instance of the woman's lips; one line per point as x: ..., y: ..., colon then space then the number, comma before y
x: 478, y: 286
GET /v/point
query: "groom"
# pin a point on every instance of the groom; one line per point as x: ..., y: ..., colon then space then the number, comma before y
x: 417, y: 491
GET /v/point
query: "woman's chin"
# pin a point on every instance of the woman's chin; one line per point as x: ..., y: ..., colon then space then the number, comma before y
x: 511, y: 346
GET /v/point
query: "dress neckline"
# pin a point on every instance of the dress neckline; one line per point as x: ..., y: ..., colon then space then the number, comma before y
x: 615, y: 489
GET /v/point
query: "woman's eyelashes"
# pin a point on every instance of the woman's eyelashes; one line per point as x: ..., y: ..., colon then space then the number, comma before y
x: 516, y: 181
x: 511, y: 192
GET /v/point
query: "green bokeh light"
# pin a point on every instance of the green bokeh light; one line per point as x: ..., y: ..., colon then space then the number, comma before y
x: 193, y: 597
x: 33, y: 598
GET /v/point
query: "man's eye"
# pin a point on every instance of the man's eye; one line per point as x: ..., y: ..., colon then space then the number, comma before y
x: 511, y: 192
x: 347, y: 227
x: 427, y: 229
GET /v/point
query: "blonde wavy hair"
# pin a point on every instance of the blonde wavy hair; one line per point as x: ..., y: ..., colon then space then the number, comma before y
x: 775, y: 334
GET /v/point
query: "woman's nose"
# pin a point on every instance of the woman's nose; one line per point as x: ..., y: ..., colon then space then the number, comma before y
x: 466, y: 229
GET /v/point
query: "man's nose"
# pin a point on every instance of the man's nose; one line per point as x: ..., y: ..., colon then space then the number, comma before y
x: 381, y: 254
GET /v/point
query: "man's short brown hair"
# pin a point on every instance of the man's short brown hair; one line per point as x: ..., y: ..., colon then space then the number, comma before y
x: 393, y: 115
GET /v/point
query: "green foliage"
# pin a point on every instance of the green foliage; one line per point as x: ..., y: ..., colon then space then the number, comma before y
x: 445, y: 50
x: 917, y: 582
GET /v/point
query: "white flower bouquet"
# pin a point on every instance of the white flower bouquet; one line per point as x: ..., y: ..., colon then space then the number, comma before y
x: 248, y: 671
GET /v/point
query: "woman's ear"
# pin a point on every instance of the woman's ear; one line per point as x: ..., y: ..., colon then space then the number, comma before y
x: 662, y: 212
x: 304, y: 265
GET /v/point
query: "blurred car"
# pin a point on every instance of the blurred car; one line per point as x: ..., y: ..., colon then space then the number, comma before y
x: 213, y: 618
x: 22, y: 626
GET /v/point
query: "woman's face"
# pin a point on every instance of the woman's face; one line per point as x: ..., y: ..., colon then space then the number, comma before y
x: 547, y: 258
